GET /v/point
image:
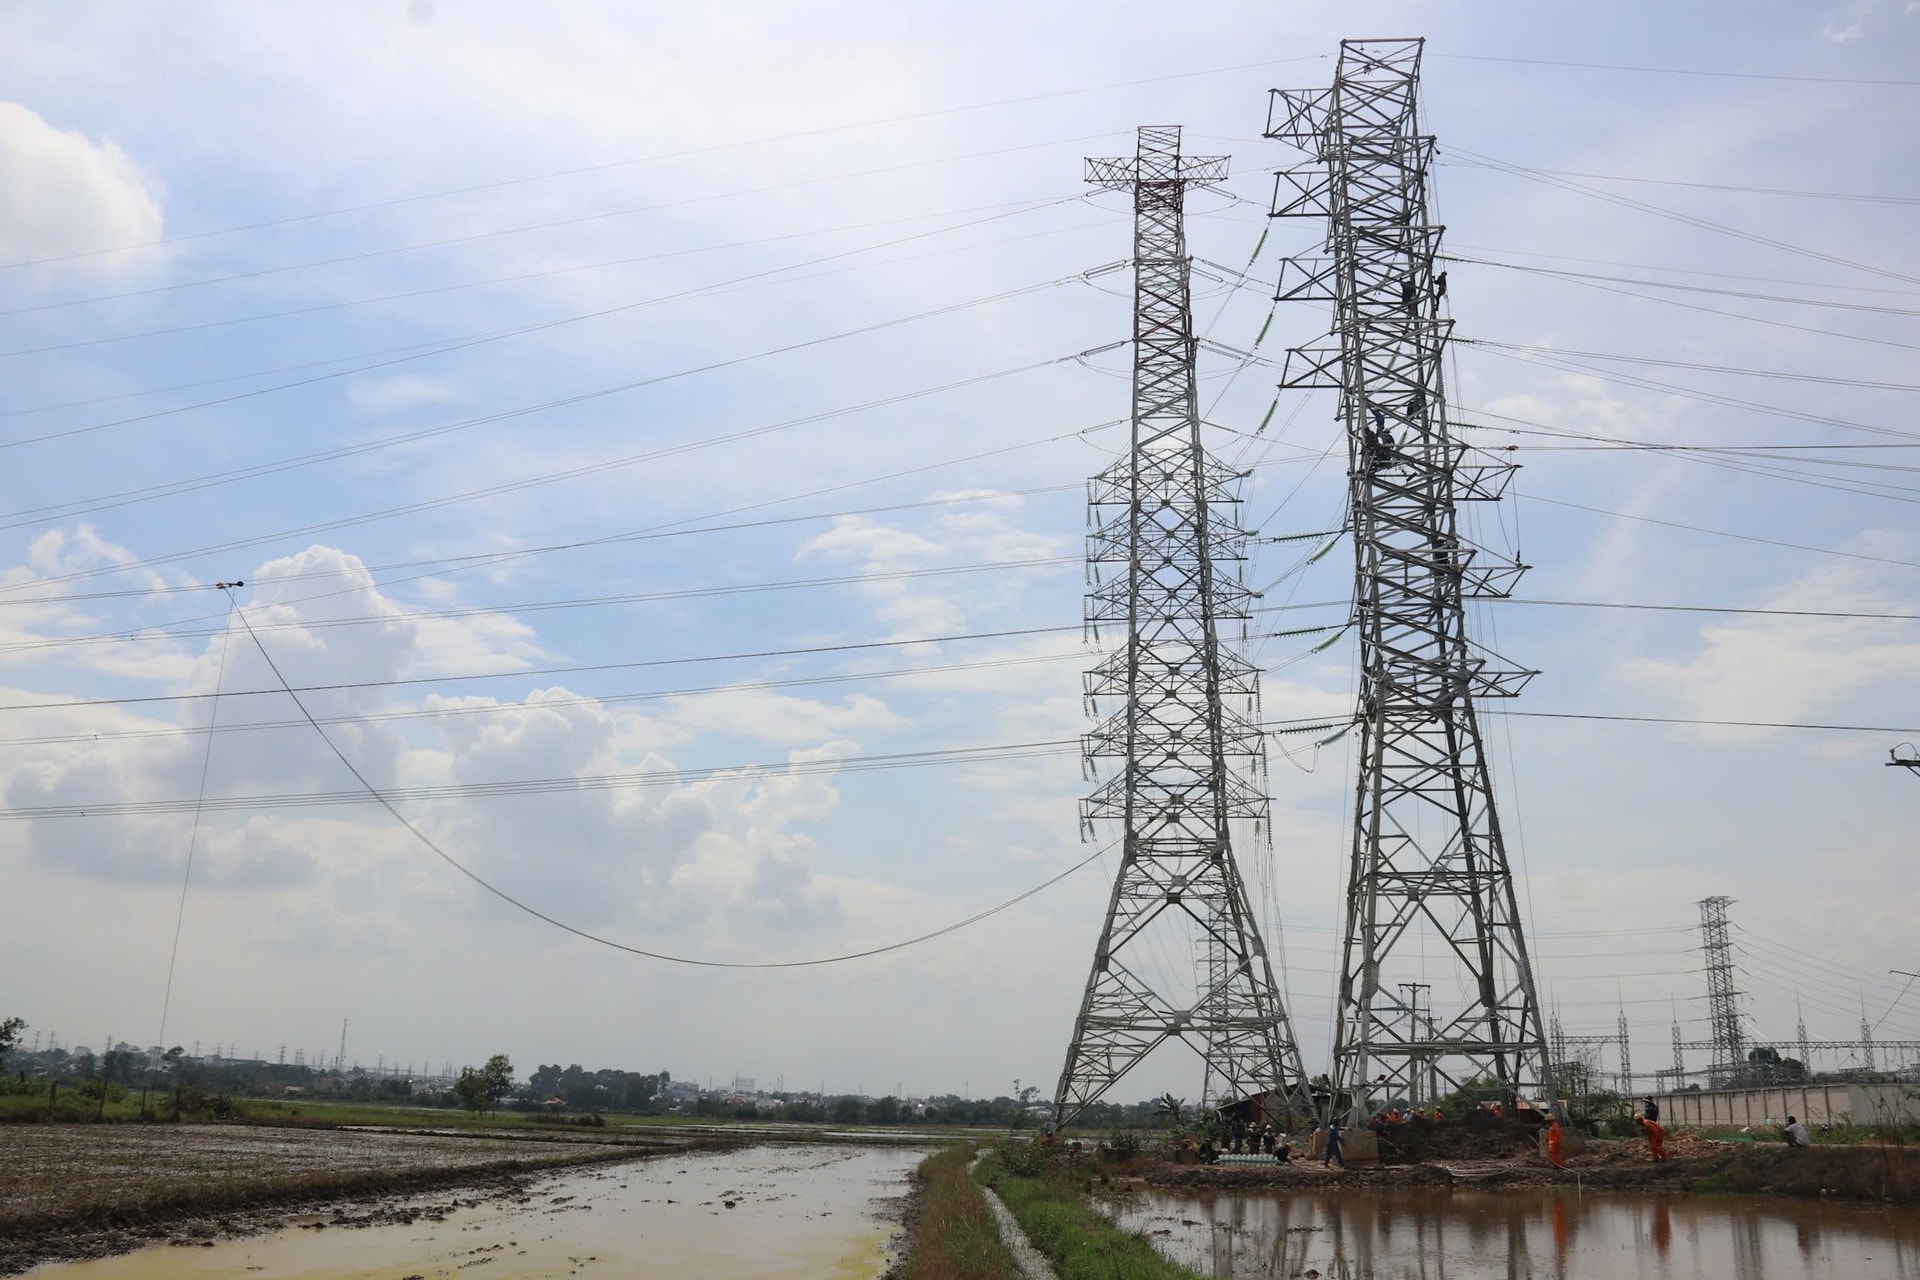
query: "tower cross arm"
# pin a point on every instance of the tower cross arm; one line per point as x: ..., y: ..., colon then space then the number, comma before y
x: 1121, y: 173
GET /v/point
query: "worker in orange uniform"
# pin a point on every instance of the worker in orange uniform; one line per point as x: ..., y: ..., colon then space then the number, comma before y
x: 1656, y: 1137
x: 1554, y: 1140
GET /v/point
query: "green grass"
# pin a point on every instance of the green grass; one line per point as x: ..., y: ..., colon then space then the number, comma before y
x: 954, y: 1236
x: 1083, y: 1243
x: 1851, y: 1135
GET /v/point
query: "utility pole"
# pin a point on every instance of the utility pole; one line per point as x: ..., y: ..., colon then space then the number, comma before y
x: 1429, y: 862
x: 1723, y: 1002
x: 1187, y: 762
x: 1909, y: 759
x: 1679, y: 1056
x: 1626, y: 1058
x: 1866, y: 1035
x: 340, y: 1063
x: 1800, y: 1033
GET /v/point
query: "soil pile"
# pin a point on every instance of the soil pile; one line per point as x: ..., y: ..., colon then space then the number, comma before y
x: 1475, y: 1136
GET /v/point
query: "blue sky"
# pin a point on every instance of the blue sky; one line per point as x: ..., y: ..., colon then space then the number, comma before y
x: 822, y: 283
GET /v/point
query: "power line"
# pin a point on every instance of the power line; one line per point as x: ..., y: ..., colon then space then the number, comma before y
x: 1674, y: 215
x: 167, y: 631
x: 365, y: 255
x: 1680, y: 287
x: 1719, y: 186
x: 856, y: 646
x: 1670, y: 269
x: 1658, y: 362
x: 1713, y: 608
x: 1589, y: 283
x: 491, y: 558
x: 193, y: 836
x: 133, y: 497
x: 577, y: 784
x: 502, y: 708
x: 601, y: 313
x: 1680, y: 71
x: 512, y: 486
x: 671, y: 155
x: 1687, y: 720
x: 1719, y: 533
x: 421, y: 836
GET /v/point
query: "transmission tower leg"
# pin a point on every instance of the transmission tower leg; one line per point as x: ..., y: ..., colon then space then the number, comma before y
x: 1180, y: 955
x: 1430, y: 886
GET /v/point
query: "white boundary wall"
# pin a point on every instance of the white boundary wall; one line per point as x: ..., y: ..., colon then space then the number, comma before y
x: 1815, y: 1104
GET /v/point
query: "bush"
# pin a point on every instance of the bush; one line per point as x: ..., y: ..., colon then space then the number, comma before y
x: 1029, y: 1159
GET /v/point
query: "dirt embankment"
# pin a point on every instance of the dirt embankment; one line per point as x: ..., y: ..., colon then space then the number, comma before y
x: 1882, y: 1174
x: 78, y: 1191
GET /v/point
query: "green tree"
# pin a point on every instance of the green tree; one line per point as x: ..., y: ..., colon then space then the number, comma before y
x: 1171, y: 1111
x: 10, y: 1037
x: 481, y: 1090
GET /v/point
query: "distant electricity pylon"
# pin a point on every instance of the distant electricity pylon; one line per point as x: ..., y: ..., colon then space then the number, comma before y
x: 1723, y: 1002
x: 1180, y: 955
x: 1430, y: 895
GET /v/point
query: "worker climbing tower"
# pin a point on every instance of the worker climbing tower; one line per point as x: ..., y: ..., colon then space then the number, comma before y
x: 1180, y: 955
x: 1430, y: 895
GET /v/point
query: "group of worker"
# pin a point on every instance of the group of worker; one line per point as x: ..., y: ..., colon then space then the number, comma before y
x: 1244, y: 1139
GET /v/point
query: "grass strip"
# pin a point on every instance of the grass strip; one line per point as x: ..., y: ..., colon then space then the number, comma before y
x: 953, y: 1232
x: 1083, y: 1243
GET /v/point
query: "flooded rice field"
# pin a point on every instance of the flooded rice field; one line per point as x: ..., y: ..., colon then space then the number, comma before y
x: 49, y: 1168
x: 1468, y: 1235
x: 818, y: 1213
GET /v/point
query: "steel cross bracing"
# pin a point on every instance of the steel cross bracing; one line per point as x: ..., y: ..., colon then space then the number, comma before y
x: 1430, y: 894
x: 1180, y: 954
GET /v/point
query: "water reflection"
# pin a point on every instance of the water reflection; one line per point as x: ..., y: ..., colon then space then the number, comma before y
x: 1521, y: 1235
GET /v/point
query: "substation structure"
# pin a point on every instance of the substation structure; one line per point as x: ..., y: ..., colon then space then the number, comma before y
x: 1732, y: 1060
x: 1180, y: 954
x: 1430, y: 901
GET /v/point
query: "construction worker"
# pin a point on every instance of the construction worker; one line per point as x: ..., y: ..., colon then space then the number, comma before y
x: 1656, y: 1137
x: 1650, y: 1108
x: 1333, y: 1146
x: 1554, y: 1140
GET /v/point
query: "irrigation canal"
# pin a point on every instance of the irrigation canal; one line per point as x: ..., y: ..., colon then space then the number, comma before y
x: 1518, y: 1234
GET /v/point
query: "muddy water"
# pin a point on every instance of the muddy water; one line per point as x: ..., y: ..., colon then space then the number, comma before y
x: 810, y: 1213
x: 1467, y: 1235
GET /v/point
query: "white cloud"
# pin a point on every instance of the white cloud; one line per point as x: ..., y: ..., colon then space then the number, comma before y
x: 1786, y: 668
x: 63, y: 193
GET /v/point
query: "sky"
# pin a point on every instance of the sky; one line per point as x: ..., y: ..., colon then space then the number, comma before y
x: 656, y: 440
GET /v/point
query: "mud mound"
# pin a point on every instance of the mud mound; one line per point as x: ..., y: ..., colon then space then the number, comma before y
x: 1477, y: 1136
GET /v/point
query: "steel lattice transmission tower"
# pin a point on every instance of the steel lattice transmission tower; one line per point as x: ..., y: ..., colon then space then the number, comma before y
x: 1431, y: 894
x: 1723, y: 1002
x: 1180, y: 955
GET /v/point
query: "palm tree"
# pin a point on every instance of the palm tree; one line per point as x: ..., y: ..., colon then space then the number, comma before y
x: 1172, y: 1111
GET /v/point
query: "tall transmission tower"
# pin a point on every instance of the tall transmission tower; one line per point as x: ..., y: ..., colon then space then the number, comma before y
x: 1430, y: 893
x: 1723, y: 1002
x: 1180, y: 955
x: 1626, y: 1057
